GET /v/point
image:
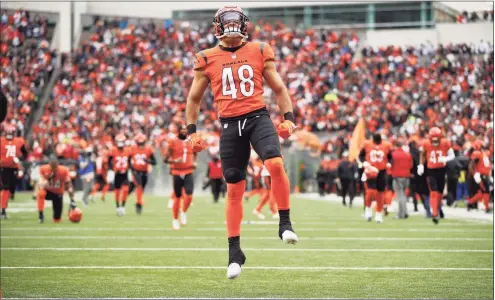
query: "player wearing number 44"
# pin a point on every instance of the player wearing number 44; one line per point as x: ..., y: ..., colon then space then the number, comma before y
x: 235, y: 69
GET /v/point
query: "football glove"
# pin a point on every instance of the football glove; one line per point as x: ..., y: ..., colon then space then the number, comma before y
x: 477, y: 177
x: 285, y: 129
x: 16, y: 160
x: 197, y: 143
x: 421, y: 170
x: 364, y: 177
x: 72, y: 204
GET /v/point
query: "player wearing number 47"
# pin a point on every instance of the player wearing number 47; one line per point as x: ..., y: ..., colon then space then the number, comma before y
x: 235, y: 70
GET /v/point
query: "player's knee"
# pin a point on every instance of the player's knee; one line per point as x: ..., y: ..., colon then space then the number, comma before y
x: 270, y: 151
x: 275, y: 166
x: 233, y: 175
x: 42, y: 193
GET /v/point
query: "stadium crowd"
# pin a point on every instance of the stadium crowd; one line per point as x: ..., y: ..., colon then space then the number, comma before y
x: 26, y: 62
x: 129, y: 78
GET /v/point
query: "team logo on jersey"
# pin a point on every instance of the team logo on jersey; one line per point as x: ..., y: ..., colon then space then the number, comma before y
x: 234, y: 56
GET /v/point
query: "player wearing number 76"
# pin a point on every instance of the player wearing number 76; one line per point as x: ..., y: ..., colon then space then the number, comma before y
x: 235, y: 70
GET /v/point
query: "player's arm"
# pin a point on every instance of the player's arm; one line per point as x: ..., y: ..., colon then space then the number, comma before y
x: 70, y: 191
x: 422, y: 158
x: 24, y: 153
x: 361, y: 158
x: 152, y: 159
x: 283, y: 99
x: 110, y: 162
x: 198, y: 88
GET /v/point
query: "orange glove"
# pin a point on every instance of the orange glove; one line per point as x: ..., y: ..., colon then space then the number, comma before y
x: 197, y: 143
x: 285, y: 129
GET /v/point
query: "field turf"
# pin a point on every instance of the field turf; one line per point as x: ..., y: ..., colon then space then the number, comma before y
x: 339, y: 254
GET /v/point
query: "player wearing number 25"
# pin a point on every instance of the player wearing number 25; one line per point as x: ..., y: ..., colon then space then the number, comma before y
x: 235, y: 70
x: 12, y: 151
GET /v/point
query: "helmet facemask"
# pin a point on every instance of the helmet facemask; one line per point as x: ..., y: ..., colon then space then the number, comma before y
x: 231, y: 23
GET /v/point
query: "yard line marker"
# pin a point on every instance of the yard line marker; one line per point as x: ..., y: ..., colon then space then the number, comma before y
x: 247, y: 249
x: 172, y: 237
x: 423, y: 230
x: 275, y: 268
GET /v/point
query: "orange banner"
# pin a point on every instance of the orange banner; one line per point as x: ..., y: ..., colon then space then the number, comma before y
x: 357, y: 139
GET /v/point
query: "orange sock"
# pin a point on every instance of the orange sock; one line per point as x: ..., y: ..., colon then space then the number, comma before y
x: 5, y: 195
x: 175, y: 207
x: 280, y: 182
x: 486, y: 201
x: 139, y: 195
x: 187, y: 202
x: 125, y: 193
x: 265, y: 197
x: 117, y: 196
x: 233, y: 209
x: 252, y: 192
x: 272, y: 202
x: 434, y: 197
x: 379, y: 201
x: 370, y: 194
x: 106, y: 187
x: 388, y: 198
x: 476, y: 197
x: 96, y: 187
x: 41, y: 199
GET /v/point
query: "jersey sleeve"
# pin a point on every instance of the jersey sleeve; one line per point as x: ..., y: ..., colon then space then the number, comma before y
x: 267, y: 52
x: 200, y: 60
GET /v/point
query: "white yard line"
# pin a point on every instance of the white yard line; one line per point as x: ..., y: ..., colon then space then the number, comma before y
x: 209, y: 298
x: 172, y: 237
x: 247, y: 249
x: 274, y: 268
x: 309, y: 229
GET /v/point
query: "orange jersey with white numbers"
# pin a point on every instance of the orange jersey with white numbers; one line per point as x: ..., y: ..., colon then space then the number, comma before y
x: 433, y: 153
x: 56, y: 182
x: 9, y: 149
x: 376, y: 155
x: 120, y: 160
x: 481, y: 161
x: 180, y: 149
x: 140, y: 157
x: 236, y: 78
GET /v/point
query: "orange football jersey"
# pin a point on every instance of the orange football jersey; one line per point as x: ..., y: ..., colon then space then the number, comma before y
x: 483, y: 165
x: 120, y: 159
x: 433, y: 153
x: 56, y: 182
x: 377, y: 155
x: 236, y: 78
x: 9, y: 149
x: 140, y: 157
x: 181, y: 149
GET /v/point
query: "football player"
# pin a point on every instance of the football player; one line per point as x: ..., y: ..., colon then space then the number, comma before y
x: 181, y: 159
x: 378, y: 154
x: 118, y: 160
x: 101, y: 173
x: 369, y: 176
x: 480, y: 168
x: 266, y: 195
x: 141, y: 158
x: 54, y: 180
x: 436, y: 151
x: 235, y: 69
x: 12, y: 152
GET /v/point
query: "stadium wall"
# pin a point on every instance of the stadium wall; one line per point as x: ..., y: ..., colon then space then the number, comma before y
x: 443, y: 34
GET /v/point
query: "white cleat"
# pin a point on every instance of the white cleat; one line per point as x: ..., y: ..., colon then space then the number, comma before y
x: 233, y: 271
x: 275, y: 216
x: 170, y: 203
x: 117, y: 211
x: 183, y: 218
x: 175, y: 225
x: 367, y: 214
x: 289, y: 237
x: 378, y: 218
x: 258, y: 214
x: 122, y: 211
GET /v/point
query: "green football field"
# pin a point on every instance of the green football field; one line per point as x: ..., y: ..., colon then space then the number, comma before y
x: 339, y: 255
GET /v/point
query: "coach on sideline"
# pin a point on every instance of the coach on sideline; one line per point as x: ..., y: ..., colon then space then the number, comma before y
x: 402, y: 164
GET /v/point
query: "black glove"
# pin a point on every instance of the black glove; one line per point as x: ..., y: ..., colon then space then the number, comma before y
x: 72, y: 204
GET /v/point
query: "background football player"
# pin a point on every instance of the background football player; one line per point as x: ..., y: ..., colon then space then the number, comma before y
x: 236, y: 69
x: 12, y: 152
x: 142, y: 158
x: 118, y: 160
